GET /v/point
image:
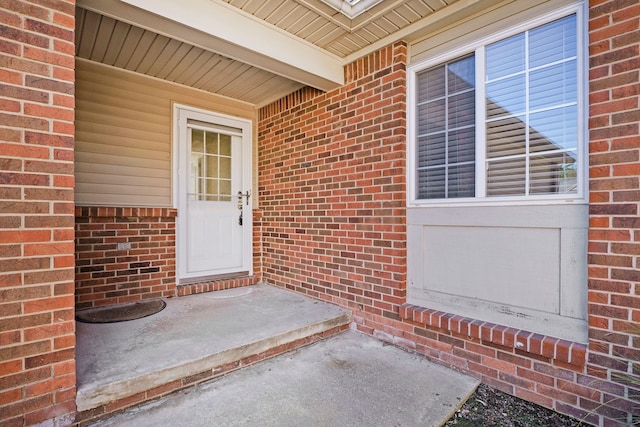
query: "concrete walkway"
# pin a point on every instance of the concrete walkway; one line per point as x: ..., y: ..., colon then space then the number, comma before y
x: 346, y: 380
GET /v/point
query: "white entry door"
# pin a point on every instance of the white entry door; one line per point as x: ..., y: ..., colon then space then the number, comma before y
x: 213, y: 181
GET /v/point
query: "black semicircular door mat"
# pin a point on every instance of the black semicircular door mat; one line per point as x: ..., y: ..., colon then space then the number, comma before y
x: 121, y: 313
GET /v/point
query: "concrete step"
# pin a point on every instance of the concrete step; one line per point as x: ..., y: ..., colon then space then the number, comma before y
x: 195, y: 338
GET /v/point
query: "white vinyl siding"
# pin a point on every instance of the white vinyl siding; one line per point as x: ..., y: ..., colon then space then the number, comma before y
x: 124, y: 136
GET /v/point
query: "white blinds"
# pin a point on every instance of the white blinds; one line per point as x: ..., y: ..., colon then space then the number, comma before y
x: 528, y: 137
x: 446, y: 130
x: 531, y: 111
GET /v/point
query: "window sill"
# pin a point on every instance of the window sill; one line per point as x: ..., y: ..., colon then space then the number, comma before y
x: 557, y: 349
x: 497, y: 201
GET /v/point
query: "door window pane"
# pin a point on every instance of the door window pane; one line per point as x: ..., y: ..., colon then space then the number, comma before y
x: 210, y: 170
x: 225, y: 145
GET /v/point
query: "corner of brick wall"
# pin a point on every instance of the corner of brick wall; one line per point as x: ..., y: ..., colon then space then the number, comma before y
x: 124, y: 255
x: 37, y: 328
x: 614, y: 236
x: 332, y: 187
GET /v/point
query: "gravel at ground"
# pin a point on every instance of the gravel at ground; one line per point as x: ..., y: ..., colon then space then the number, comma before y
x: 491, y: 407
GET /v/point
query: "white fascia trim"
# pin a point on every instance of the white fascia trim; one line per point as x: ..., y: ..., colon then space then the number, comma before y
x: 445, y: 16
x: 233, y: 33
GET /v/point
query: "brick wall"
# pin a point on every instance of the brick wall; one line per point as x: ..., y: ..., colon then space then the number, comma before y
x: 331, y: 186
x: 614, y: 239
x: 37, y: 330
x: 108, y: 274
x: 332, y: 190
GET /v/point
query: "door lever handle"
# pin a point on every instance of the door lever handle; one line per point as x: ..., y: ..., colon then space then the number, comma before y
x: 247, y: 194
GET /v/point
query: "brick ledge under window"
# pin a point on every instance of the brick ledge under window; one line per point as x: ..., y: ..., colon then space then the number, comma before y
x: 570, y: 352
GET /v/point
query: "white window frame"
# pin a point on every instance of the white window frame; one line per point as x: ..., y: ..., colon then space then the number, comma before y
x: 581, y: 197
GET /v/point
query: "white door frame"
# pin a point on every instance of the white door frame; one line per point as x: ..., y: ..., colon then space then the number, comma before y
x: 180, y: 114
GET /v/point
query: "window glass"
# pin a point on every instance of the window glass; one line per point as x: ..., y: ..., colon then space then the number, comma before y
x: 543, y: 97
x: 446, y: 130
x: 210, y: 173
x: 506, y: 57
x: 529, y: 132
x: 553, y: 42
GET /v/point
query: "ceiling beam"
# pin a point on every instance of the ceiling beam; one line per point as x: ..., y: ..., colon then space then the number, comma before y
x: 228, y: 31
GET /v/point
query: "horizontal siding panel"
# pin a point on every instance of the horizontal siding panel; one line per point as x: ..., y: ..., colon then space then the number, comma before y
x: 126, y: 123
x: 116, y: 190
x: 131, y: 152
x: 123, y: 97
x: 92, y: 134
x: 482, y: 24
x: 125, y: 92
x: 109, y: 160
x: 118, y: 132
x: 116, y: 179
x: 109, y: 106
x: 121, y: 170
x: 123, y: 134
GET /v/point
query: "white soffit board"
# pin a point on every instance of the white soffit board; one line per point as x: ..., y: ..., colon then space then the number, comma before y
x: 441, y: 18
x: 232, y: 33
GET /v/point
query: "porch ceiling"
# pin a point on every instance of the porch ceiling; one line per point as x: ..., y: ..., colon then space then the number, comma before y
x: 252, y: 50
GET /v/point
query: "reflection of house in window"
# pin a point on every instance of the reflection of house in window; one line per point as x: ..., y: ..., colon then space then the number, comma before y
x: 529, y: 126
x: 551, y: 168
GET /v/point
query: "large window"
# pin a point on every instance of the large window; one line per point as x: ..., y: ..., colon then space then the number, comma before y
x: 501, y: 121
x: 497, y: 216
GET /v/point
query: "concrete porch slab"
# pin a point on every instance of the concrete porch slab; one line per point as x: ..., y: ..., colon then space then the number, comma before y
x: 191, y: 335
x: 346, y: 380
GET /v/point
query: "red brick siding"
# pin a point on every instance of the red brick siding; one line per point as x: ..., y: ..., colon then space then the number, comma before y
x: 107, y: 275
x: 332, y: 188
x: 37, y: 329
x: 614, y: 238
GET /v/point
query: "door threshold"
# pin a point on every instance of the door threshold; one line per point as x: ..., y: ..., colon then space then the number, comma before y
x: 215, y: 283
x: 213, y: 277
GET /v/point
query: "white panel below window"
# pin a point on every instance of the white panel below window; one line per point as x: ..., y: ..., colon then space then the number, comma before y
x: 511, y: 266
x: 519, y: 266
